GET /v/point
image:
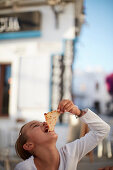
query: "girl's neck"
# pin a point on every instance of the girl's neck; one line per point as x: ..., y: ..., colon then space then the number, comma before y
x: 47, y: 158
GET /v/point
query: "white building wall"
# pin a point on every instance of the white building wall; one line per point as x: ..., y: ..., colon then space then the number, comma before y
x: 30, y: 59
x: 84, y: 86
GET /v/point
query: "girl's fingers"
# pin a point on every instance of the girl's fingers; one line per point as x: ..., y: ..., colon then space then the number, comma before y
x: 72, y: 110
x: 69, y: 108
x: 62, y: 105
x: 59, y: 106
x: 58, y: 109
x: 65, y: 105
x: 65, y: 108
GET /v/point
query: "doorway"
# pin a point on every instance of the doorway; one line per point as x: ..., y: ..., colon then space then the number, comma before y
x: 5, y: 80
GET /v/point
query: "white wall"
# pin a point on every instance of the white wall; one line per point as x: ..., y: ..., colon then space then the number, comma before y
x: 30, y: 59
x: 84, y: 86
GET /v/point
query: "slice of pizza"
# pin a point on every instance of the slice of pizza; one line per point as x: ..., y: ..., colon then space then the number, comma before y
x: 51, y: 119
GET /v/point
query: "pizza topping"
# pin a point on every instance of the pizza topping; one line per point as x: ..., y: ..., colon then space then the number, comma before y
x: 51, y: 118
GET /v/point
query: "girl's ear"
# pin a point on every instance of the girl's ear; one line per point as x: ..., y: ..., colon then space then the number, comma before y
x: 28, y: 146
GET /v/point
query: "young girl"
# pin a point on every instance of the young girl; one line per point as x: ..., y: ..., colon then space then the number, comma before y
x: 37, y: 147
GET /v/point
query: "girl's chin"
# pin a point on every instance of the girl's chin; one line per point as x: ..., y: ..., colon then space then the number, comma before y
x: 52, y: 134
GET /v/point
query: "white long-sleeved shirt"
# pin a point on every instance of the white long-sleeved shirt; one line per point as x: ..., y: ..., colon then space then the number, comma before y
x: 71, y: 153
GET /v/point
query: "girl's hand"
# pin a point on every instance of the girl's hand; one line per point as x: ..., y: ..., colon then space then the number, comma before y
x: 68, y: 106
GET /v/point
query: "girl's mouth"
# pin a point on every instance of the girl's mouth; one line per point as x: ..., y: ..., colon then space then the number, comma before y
x: 46, y: 130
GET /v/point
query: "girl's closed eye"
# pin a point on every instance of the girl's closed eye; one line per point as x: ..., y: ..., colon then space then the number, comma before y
x: 35, y: 126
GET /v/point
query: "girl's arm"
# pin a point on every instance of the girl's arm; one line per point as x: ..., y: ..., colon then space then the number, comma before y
x: 98, y: 130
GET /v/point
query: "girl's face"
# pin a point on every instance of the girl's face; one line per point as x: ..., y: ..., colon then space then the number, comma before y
x: 37, y: 133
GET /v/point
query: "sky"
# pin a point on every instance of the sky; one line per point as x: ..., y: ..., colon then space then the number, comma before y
x: 95, y: 44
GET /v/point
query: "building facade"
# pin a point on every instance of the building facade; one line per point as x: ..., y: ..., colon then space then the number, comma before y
x: 25, y: 56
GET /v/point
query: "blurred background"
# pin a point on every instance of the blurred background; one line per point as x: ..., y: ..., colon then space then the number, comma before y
x: 52, y: 50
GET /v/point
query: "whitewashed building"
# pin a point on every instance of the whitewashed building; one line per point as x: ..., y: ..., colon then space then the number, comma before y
x: 29, y: 58
x: 90, y: 90
x: 25, y: 57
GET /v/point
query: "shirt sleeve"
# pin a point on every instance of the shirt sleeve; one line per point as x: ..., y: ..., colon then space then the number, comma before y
x: 98, y: 130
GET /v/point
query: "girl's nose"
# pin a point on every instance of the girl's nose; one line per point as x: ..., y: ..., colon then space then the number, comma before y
x: 45, y: 124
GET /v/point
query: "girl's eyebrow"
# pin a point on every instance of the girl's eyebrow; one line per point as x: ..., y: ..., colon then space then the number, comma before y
x: 33, y: 124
